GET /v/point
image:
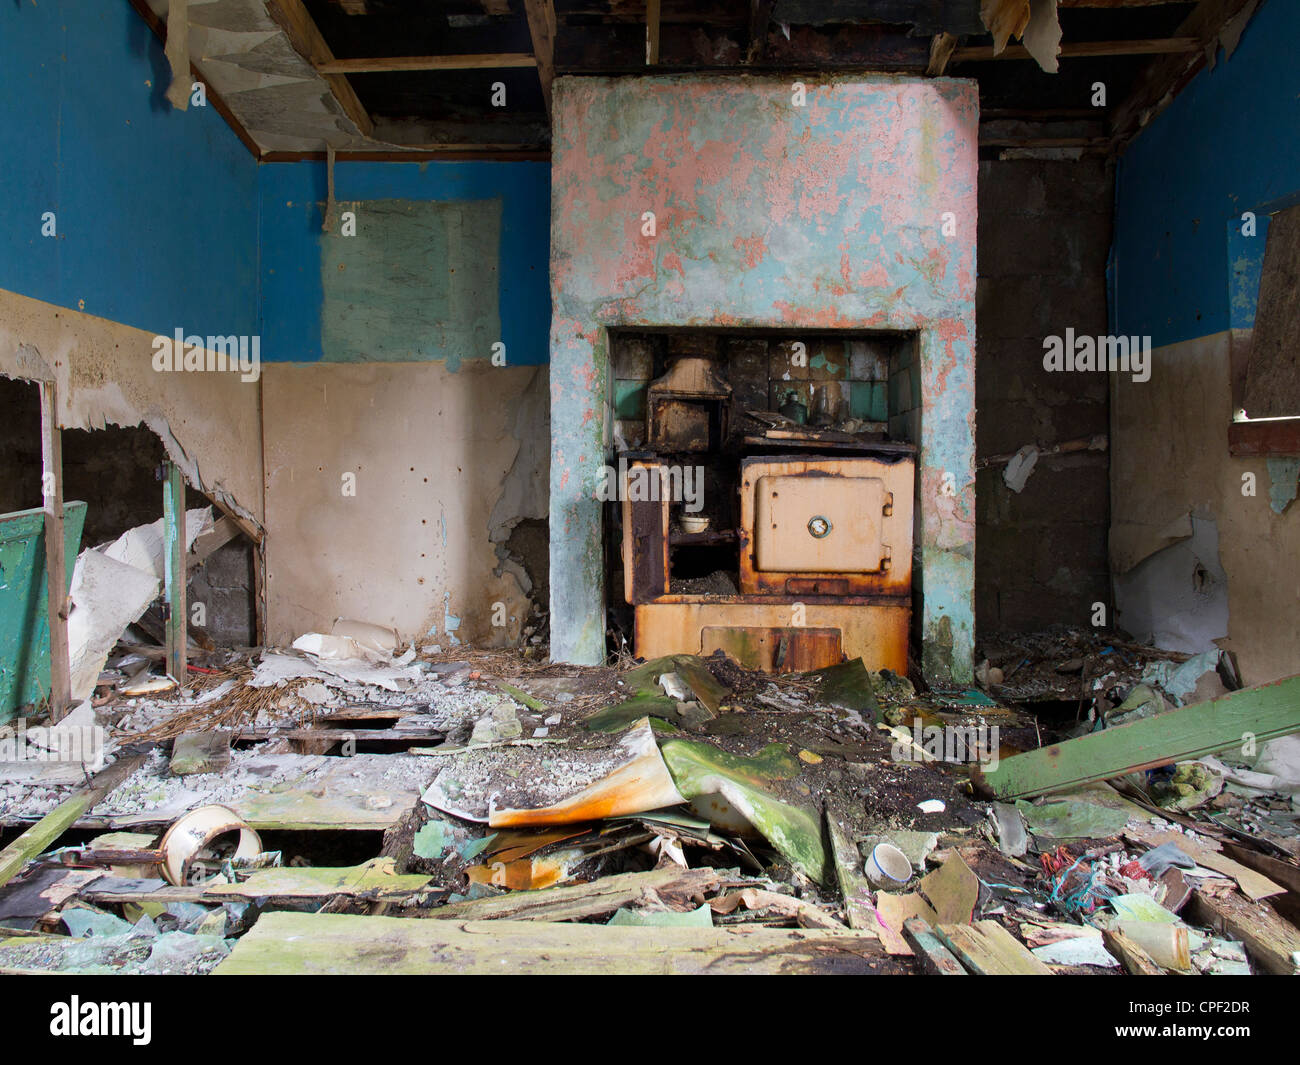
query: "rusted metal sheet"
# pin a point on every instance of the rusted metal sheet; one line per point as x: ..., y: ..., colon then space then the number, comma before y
x: 807, y: 524
x: 775, y: 650
x: 875, y: 629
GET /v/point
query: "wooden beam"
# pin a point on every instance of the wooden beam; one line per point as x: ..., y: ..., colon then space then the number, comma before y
x: 1098, y: 143
x: 398, y: 63
x: 1266, y: 712
x: 541, y: 26
x: 652, y: 33
x: 1165, y: 77
x: 1281, y: 437
x: 978, y: 53
x: 1114, y: 4
x: 294, y: 19
x: 942, y: 45
x: 174, y: 533
x: 760, y: 17
x: 56, y: 564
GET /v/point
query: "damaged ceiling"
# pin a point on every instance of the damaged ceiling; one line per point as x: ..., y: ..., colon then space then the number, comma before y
x: 388, y: 77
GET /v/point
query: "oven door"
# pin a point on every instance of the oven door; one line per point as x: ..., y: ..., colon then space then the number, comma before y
x: 812, y: 524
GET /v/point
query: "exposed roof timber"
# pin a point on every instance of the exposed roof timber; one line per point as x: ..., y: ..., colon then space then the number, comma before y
x: 293, y: 17
x: 760, y: 17
x: 1076, y: 49
x: 928, y: 17
x: 942, y: 46
x: 159, y: 28
x: 541, y: 25
x: 652, y: 33
x: 393, y: 64
x: 1113, y: 4
x: 1165, y: 77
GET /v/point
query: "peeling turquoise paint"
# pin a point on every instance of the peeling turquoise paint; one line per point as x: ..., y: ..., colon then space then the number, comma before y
x: 485, y: 220
x: 413, y: 283
x: 766, y: 215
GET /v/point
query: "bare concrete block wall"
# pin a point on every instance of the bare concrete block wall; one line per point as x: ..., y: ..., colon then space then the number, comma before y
x: 1044, y: 238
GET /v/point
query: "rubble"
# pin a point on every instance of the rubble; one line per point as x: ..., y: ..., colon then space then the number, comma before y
x: 682, y: 799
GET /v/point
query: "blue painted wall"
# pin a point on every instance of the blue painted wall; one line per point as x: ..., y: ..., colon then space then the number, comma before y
x: 1229, y: 143
x: 156, y: 208
x: 292, y: 244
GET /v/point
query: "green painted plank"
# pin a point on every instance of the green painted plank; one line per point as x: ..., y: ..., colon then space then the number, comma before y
x: 24, y: 620
x: 174, y: 569
x: 1264, y: 712
x: 328, y: 943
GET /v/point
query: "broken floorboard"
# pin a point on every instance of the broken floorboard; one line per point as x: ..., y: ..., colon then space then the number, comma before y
x: 323, y: 944
x: 42, y: 835
x: 988, y: 949
x: 573, y: 902
x: 1272, y: 942
x: 1266, y: 711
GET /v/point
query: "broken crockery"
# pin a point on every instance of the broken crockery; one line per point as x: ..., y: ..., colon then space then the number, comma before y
x: 888, y: 866
x: 195, y: 837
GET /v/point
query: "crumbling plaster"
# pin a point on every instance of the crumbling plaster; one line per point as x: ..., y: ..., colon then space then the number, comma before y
x: 1170, y: 462
x: 767, y: 214
x: 209, y: 422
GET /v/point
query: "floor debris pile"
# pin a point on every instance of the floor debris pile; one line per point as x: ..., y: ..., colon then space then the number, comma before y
x: 343, y: 806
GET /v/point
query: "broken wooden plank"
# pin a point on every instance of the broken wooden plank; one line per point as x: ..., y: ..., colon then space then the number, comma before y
x: 174, y: 570
x: 1266, y: 712
x: 854, y: 886
x: 303, y: 943
x: 56, y: 576
x: 574, y: 902
x: 42, y: 835
x: 988, y: 949
x: 1271, y: 941
x: 1136, y: 961
x: 376, y: 879
x: 934, y: 957
x: 223, y: 530
x: 119, y: 889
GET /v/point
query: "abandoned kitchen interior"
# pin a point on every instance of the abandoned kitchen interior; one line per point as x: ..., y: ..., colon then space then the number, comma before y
x: 649, y: 486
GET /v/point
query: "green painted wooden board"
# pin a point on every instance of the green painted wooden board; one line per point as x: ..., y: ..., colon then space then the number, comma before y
x: 1264, y: 712
x: 329, y: 943
x: 24, y: 623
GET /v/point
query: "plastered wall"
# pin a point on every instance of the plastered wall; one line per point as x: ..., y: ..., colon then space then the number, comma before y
x: 407, y: 540
x: 209, y: 422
